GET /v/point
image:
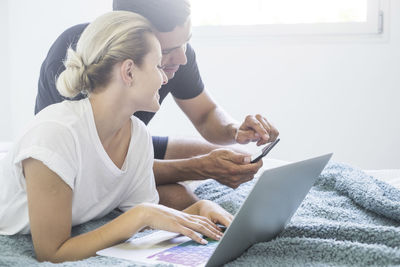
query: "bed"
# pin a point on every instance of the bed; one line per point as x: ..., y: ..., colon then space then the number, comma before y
x: 350, y: 218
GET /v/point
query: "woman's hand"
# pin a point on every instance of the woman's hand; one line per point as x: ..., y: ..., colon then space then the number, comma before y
x: 212, y: 211
x: 164, y: 218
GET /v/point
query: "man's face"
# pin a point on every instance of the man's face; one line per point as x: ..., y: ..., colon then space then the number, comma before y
x: 173, y: 46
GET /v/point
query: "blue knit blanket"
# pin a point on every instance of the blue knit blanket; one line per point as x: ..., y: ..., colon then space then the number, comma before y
x: 348, y: 218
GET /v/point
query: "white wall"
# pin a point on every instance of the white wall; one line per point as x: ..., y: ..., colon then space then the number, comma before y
x: 33, y: 27
x: 5, y: 89
x: 325, y: 94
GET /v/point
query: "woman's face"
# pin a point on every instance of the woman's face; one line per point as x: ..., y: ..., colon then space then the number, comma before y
x: 149, y: 78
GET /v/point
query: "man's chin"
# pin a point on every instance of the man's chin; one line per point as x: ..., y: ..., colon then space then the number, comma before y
x: 170, y: 75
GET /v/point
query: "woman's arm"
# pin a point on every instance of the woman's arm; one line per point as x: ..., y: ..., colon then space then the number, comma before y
x: 50, y: 215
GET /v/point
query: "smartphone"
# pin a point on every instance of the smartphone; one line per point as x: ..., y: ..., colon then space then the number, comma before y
x: 264, y: 151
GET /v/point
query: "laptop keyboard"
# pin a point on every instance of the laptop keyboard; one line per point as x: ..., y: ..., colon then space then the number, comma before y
x: 189, y: 253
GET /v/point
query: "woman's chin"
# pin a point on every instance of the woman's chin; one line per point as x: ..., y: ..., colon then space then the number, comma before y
x: 154, y: 108
x: 157, y: 108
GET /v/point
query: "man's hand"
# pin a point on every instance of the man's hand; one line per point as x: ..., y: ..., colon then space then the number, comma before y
x: 228, y: 167
x: 256, y: 129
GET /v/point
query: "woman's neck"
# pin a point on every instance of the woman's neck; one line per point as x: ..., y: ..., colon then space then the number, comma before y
x: 111, y: 115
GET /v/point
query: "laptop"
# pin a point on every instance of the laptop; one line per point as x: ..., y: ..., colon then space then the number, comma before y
x: 270, y: 205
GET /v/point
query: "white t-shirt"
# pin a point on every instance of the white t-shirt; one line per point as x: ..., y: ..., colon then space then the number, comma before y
x: 64, y: 137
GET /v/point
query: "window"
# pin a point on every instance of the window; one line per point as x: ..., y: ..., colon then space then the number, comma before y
x: 279, y: 17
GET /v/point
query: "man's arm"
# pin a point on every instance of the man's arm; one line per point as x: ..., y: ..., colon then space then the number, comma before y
x: 211, y: 121
x: 198, y: 160
x: 191, y: 159
x: 215, y: 125
x: 187, y: 147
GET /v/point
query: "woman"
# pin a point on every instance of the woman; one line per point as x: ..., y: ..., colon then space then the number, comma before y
x: 79, y: 160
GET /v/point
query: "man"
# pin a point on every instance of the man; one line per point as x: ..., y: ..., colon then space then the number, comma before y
x: 176, y: 159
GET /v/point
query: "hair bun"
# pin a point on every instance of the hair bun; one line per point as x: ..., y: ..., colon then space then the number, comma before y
x: 74, y: 60
x: 108, y: 40
x: 73, y: 79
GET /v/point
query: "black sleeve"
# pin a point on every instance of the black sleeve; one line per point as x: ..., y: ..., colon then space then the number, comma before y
x: 53, y: 65
x: 160, y: 144
x: 187, y: 82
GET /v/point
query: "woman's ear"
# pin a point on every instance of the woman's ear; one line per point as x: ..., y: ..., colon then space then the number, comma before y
x: 127, y: 69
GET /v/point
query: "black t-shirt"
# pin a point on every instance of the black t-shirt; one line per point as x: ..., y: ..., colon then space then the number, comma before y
x: 186, y: 83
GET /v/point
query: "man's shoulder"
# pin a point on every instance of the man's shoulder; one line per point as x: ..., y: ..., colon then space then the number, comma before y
x: 78, y: 28
x: 68, y: 38
x: 73, y: 32
x: 53, y: 65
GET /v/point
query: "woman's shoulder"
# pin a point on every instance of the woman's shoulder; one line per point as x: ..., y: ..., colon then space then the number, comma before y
x: 140, y: 131
x: 138, y: 125
x: 58, y: 120
x: 65, y: 112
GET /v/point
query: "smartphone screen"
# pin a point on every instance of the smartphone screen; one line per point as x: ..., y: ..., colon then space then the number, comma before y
x: 264, y: 151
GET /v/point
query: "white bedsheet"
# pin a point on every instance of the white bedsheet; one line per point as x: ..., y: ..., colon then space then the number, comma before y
x: 390, y: 176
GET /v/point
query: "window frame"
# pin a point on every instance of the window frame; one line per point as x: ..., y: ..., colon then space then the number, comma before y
x: 372, y: 26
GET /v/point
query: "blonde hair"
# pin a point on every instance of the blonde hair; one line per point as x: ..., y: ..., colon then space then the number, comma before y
x: 108, y: 40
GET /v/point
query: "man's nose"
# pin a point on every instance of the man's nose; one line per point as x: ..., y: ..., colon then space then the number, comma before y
x: 179, y: 56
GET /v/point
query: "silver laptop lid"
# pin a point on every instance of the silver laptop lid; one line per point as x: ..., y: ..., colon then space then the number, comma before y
x: 269, y: 206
